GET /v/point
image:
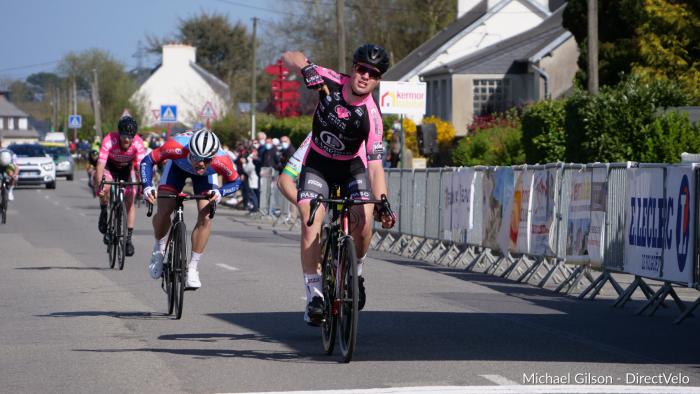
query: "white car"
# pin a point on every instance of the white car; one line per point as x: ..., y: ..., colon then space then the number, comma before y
x: 36, y: 167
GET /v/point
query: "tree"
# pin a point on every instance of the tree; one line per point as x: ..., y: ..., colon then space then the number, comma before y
x: 669, y: 44
x: 44, y: 81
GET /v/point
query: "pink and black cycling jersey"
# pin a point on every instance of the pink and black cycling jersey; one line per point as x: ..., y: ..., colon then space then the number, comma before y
x: 341, y: 126
x: 115, y: 158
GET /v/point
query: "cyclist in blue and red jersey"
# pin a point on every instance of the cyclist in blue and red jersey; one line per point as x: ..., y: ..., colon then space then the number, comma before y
x: 197, y: 155
x: 346, y: 119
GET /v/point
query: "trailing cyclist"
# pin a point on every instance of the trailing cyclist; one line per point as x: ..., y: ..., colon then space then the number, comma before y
x: 197, y: 155
x: 8, y: 166
x: 120, y: 154
x: 346, y: 117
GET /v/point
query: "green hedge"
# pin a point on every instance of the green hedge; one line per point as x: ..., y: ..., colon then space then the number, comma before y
x: 544, y: 135
x: 500, y: 146
x: 668, y: 136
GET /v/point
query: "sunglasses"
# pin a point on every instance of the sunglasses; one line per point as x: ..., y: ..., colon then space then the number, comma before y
x: 373, y: 73
x: 129, y: 136
x: 198, y: 159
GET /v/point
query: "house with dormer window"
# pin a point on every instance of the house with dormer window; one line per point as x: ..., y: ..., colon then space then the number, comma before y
x: 14, y: 123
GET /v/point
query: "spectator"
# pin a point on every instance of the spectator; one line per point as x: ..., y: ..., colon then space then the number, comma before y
x: 253, y: 185
x: 286, y: 152
x: 394, y: 156
x: 270, y: 157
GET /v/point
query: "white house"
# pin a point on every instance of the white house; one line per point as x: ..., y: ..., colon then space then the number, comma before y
x: 14, y: 124
x: 180, y: 81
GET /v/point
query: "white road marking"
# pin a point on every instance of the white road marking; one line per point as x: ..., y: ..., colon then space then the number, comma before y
x: 228, y: 267
x: 82, y: 214
x: 518, y: 389
x: 83, y: 179
x: 499, y: 380
x: 46, y: 196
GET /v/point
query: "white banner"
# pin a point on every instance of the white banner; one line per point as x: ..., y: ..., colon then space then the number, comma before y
x: 498, y: 199
x: 579, y: 223
x: 402, y: 97
x: 543, y: 234
x: 461, y: 186
x: 599, y: 202
x: 659, y: 241
x: 519, y: 236
x: 448, y: 201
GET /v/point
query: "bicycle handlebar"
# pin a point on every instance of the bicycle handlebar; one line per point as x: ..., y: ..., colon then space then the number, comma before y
x: 316, y: 202
x: 185, y: 197
x: 104, y: 182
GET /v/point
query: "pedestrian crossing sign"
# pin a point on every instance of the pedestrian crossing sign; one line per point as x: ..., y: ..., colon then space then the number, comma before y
x: 75, y: 121
x: 168, y: 113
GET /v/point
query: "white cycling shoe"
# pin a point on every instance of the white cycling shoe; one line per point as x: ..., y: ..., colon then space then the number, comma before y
x: 155, y: 268
x: 193, y: 282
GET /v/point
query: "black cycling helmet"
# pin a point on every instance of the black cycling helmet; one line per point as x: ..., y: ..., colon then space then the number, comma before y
x: 127, y: 126
x: 94, y: 155
x: 373, y: 55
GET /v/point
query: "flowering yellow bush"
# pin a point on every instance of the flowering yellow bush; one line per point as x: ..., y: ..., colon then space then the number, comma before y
x: 445, y: 130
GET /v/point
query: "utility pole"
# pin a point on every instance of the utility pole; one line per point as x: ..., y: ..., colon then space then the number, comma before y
x: 66, y: 108
x: 96, y: 103
x: 593, y: 46
x: 253, y: 78
x: 54, y: 109
x: 340, y: 21
x: 75, y: 106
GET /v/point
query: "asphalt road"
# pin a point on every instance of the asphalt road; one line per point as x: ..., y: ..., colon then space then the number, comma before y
x: 70, y: 324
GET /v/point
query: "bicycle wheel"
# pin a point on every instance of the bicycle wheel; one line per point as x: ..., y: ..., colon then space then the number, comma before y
x: 349, y: 297
x: 180, y: 267
x: 121, y: 230
x: 3, y: 205
x: 111, y: 236
x: 168, y: 279
x: 328, y: 326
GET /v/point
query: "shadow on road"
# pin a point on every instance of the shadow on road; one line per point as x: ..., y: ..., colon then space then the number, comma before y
x: 64, y: 268
x: 119, y: 315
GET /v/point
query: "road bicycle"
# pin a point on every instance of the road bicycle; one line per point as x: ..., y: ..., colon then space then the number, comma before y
x: 339, y: 279
x: 174, y: 276
x: 116, y: 234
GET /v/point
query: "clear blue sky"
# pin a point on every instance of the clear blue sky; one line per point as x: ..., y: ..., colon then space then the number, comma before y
x: 40, y: 32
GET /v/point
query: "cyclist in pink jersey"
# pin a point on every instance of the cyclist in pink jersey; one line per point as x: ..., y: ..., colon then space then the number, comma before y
x: 346, y: 119
x: 119, y: 158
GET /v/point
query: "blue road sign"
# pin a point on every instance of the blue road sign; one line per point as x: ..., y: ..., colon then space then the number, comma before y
x: 75, y: 121
x: 168, y: 113
x: 197, y: 125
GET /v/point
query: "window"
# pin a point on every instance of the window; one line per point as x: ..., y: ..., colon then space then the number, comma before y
x: 10, y: 123
x: 491, y: 95
x: 2, y: 123
x: 439, y: 99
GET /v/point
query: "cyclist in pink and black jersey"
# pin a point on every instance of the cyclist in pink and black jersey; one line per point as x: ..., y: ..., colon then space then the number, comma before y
x: 120, y: 154
x: 346, y: 118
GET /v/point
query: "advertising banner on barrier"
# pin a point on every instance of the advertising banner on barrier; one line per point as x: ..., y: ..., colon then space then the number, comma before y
x: 519, y: 236
x: 498, y: 200
x: 542, y: 233
x: 579, y: 223
x: 461, y: 188
x: 448, y: 201
x: 659, y: 240
x: 599, y: 199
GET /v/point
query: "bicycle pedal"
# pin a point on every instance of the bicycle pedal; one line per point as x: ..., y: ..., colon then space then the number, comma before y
x: 191, y: 288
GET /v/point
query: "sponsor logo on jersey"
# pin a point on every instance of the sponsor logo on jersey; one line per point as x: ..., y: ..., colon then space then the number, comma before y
x: 330, y: 140
x: 304, y: 195
x: 342, y: 112
x: 359, y: 111
x: 314, y: 183
x: 336, y: 95
x: 378, y: 147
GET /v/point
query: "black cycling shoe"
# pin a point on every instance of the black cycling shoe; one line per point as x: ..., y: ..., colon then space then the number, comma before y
x: 315, y: 309
x: 129, y: 248
x: 362, y: 296
x: 102, y: 224
x: 106, y: 239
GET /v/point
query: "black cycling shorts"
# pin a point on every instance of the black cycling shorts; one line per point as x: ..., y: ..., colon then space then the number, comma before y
x: 320, y: 172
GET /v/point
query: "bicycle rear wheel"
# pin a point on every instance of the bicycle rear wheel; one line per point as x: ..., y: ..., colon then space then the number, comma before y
x: 121, y: 235
x: 4, y: 203
x: 348, y: 311
x: 111, y: 236
x: 180, y: 266
x: 328, y: 326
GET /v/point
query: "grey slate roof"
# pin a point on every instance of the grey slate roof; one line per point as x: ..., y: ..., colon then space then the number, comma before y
x: 504, y: 56
x: 418, y: 55
x: 9, y: 109
x: 219, y: 86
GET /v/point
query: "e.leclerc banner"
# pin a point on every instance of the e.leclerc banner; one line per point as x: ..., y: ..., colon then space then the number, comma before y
x: 659, y: 237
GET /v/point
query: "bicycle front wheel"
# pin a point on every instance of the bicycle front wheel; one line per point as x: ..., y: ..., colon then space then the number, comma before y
x: 121, y: 230
x: 4, y: 203
x: 328, y: 326
x: 180, y: 266
x: 349, y: 298
x: 112, y: 236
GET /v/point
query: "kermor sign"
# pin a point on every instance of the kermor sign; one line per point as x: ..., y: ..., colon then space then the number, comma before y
x: 659, y: 238
x: 406, y: 98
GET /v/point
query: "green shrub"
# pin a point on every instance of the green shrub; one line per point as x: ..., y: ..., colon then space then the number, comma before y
x: 544, y: 135
x: 495, y: 146
x: 668, y: 136
x: 612, y: 126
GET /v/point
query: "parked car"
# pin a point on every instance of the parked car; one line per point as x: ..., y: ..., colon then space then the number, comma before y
x: 65, y: 165
x: 36, y: 167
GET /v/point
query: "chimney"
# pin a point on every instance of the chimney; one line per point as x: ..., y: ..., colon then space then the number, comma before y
x: 178, y: 55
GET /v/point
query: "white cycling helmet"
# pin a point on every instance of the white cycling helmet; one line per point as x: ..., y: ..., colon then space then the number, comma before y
x: 204, y: 144
x: 5, y: 157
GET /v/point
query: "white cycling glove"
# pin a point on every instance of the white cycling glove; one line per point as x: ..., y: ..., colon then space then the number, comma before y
x: 148, y: 191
